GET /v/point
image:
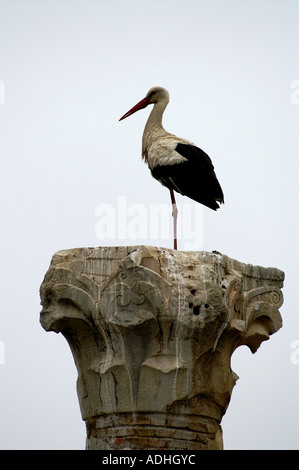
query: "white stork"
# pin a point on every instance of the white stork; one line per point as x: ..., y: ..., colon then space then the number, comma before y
x: 176, y: 163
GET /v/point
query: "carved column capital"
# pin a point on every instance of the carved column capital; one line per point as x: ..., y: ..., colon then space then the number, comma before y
x: 152, y: 332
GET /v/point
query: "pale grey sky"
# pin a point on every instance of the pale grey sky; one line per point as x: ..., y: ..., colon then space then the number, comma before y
x: 70, y: 69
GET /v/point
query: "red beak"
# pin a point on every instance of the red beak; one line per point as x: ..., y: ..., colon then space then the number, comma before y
x: 142, y: 104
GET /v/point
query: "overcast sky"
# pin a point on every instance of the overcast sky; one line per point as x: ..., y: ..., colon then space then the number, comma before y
x: 69, y: 69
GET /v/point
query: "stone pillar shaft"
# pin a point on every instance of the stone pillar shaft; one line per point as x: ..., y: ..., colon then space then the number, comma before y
x: 152, y: 332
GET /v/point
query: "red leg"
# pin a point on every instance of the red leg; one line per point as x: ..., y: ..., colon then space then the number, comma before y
x: 175, y: 216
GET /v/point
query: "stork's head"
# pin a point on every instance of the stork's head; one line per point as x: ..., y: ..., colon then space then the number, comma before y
x: 154, y: 95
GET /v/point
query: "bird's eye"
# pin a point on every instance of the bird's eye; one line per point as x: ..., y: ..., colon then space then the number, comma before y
x: 151, y: 94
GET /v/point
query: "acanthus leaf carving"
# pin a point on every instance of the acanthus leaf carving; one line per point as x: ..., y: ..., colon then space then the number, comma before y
x: 153, y: 330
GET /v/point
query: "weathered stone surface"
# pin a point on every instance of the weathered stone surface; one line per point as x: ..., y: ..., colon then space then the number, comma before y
x: 152, y: 332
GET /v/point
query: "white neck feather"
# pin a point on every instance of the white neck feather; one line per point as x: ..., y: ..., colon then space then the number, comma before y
x: 153, y: 125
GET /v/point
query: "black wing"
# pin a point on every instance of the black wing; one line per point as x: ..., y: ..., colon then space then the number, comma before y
x: 194, y: 178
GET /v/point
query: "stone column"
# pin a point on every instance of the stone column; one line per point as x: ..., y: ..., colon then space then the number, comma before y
x: 152, y: 331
